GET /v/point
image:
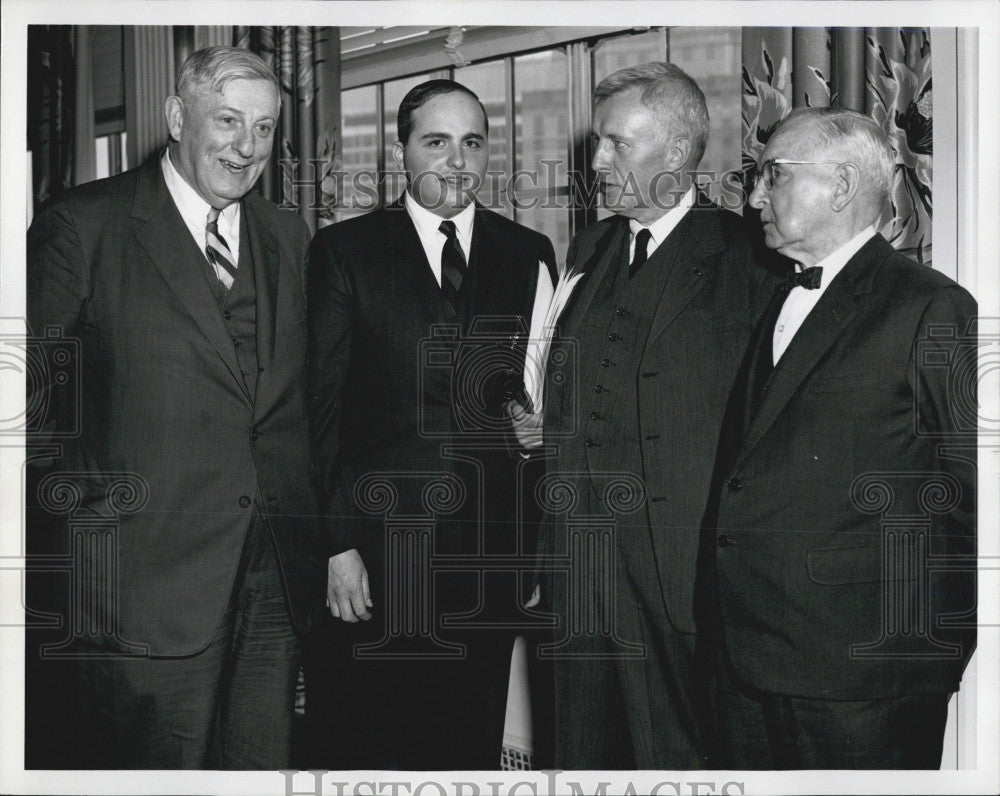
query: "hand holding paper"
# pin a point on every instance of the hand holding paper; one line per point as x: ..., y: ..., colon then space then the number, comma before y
x: 549, y: 304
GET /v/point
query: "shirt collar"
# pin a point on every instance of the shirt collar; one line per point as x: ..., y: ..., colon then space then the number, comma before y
x: 834, y: 262
x: 427, y: 223
x: 665, y: 224
x: 194, y: 209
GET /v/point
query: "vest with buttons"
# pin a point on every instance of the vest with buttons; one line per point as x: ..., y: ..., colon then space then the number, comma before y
x: 238, y: 306
x: 611, y: 345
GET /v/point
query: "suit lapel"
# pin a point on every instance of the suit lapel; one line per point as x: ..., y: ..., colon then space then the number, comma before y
x: 695, y: 239
x: 403, y: 247
x: 821, y: 328
x: 167, y: 242
x: 607, y: 253
x: 261, y: 254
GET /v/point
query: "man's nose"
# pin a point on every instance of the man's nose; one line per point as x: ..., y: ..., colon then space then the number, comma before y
x: 243, y: 142
x: 758, y: 196
x: 456, y: 158
x: 601, y: 160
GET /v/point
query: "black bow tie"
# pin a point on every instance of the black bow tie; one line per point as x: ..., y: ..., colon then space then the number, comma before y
x: 809, y: 278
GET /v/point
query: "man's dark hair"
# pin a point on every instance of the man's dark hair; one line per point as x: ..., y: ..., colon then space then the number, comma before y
x: 417, y: 96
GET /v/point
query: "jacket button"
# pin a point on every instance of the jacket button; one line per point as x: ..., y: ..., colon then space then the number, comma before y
x: 598, y: 388
x: 591, y: 444
x: 245, y: 502
x: 227, y: 315
x: 735, y: 484
x: 605, y: 363
x: 620, y: 312
x: 254, y: 434
x: 614, y: 338
x: 595, y: 416
x: 725, y: 541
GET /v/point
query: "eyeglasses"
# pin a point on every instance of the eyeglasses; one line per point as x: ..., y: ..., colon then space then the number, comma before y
x: 766, y: 172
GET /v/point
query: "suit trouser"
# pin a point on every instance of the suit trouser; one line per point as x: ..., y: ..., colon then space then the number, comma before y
x: 756, y: 730
x: 630, y: 695
x: 415, y: 714
x: 229, y: 706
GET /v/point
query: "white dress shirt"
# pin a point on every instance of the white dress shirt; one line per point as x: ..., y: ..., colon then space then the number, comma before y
x: 801, y: 301
x: 662, y: 227
x: 194, y: 209
x: 432, y: 239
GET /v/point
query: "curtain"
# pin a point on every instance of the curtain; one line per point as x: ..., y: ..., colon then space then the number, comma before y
x: 882, y: 72
x: 51, y: 100
x: 307, y: 150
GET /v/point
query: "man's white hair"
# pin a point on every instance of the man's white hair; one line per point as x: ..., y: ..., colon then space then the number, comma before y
x: 858, y: 136
x: 668, y: 90
x: 215, y: 67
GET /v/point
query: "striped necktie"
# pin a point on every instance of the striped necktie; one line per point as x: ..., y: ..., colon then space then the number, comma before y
x: 453, y: 263
x: 217, y: 250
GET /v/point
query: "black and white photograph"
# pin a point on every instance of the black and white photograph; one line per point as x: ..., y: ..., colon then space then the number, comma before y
x: 500, y: 397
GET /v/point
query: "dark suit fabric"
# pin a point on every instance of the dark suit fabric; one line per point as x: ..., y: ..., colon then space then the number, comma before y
x: 402, y: 384
x: 636, y: 428
x: 855, y: 451
x: 213, y: 438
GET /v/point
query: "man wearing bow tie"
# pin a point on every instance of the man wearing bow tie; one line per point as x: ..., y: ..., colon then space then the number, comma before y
x: 843, y: 507
x: 417, y: 317
x: 660, y: 319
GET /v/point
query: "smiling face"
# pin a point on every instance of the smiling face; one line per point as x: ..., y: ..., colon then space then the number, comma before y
x: 221, y: 140
x: 446, y: 154
x: 637, y: 158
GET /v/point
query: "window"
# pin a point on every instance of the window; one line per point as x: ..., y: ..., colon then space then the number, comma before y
x: 541, y: 189
x: 360, y: 151
x: 538, y: 105
x: 712, y: 57
x: 489, y: 81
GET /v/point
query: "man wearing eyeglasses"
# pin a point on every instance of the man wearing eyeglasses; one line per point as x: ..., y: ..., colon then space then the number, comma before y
x: 844, y: 497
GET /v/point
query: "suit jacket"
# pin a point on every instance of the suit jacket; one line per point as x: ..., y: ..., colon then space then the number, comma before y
x: 162, y: 401
x: 704, y: 317
x: 395, y: 373
x: 856, y: 452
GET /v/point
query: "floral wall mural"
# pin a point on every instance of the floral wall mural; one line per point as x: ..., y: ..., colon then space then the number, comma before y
x: 883, y: 72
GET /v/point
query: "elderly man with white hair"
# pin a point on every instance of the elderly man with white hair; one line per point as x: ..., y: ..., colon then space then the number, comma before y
x: 843, y: 505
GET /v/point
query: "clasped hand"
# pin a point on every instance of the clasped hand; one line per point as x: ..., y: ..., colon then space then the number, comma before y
x: 527, y: 426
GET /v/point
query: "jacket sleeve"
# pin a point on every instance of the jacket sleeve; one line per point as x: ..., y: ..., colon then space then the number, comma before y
x: 57, y: 289
x: 946, y: 358
x: 330, y: 301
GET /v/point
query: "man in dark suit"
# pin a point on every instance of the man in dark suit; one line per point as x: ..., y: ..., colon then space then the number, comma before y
x: 843, y: 513
x: 185, y: 292
x: 660, y: 320
x: 418, y: 314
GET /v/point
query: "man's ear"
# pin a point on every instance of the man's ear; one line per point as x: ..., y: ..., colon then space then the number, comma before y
x: 397, y: 155
x: 679, y: 153
x: 847, y: 182
x: 173, y: 109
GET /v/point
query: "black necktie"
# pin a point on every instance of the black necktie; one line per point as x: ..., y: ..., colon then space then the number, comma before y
x: 641, y: 242
x: 453, y: 264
